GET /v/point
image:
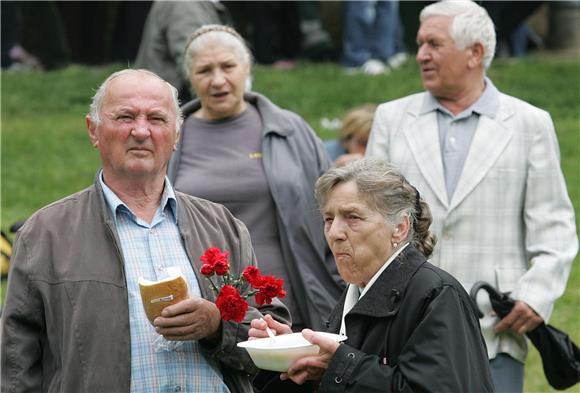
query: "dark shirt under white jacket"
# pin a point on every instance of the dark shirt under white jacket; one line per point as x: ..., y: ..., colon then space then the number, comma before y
x: 293, y: 159
x: 65, y: 325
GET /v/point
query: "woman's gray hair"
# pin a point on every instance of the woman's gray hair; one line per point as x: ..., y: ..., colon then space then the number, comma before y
x: 98, y: 98
x: 471, y: 24
x: 209, y: 35
x: 385, y: 189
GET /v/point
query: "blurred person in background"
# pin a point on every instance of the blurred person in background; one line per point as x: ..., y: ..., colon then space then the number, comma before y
x: 409, y: 326
x: 513, y: 34
x: 353, y: 135
x: 372, y: 36
x: 489, y: 166
x: 165, y: 34
x: 239, y: 149
x: 274, y: 32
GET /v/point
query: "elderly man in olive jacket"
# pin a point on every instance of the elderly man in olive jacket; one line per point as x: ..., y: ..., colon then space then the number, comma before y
x: 73, y: 319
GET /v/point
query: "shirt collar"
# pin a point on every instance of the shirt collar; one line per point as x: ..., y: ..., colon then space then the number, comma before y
x: 114, y: 202
x: 487, y: 104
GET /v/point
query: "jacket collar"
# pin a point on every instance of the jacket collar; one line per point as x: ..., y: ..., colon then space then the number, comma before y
x: 487, y: 104
x: 272, y: 115
x: 383, y: 298
x: 114, y: 203
x: 106, y: 212
x: 490, y: 140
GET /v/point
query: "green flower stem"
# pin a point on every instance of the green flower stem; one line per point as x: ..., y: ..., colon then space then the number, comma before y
x: 216, y: 289
x: 251, y: 293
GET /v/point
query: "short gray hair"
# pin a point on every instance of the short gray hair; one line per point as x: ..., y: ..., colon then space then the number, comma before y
x: 471, y: 24
x: 210, y: 34
x: 384, y: 188
x: 98, y: 98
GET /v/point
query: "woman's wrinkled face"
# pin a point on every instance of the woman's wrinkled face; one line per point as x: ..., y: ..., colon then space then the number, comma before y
x: 358, y: 235
x: 218, y: 77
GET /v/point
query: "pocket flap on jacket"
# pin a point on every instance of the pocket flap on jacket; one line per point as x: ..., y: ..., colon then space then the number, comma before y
x: 507, y: 278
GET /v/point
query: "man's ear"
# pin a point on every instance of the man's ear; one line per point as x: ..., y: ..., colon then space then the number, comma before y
x: 177, y: 133
x: 476, y: 52
x: 92, y: 130
x: 401, y: 230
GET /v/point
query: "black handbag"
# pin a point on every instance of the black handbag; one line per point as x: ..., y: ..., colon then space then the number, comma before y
x: 560, y: 356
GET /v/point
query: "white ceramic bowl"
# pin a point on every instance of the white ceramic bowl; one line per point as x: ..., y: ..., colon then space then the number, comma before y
x: 277, y: 354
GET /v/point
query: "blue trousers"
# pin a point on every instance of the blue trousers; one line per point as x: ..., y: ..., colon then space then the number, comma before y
x: 507, y: 374
x: 371, y: 30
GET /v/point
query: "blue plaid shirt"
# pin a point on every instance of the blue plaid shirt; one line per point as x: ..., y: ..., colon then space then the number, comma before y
x: 158, y: 365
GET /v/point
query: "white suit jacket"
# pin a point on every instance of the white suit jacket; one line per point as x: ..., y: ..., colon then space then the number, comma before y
x: 510, y: 221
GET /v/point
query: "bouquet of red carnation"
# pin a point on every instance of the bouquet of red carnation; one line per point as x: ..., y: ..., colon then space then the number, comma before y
x: 231, y: 303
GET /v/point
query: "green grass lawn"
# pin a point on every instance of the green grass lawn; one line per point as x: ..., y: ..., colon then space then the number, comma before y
x: 46, y: 154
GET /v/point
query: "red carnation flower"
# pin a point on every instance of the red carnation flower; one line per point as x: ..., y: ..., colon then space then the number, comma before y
x: 253, y: 276
x: 213, y: 255
x: 231, y: 305
x: 230, y: 302
x: 270, y: 287
x: 221, y: 267
x: 214, y: 261
x: 207, y: 270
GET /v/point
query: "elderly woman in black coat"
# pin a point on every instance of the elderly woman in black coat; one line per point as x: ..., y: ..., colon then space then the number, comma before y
x: 411, y: 326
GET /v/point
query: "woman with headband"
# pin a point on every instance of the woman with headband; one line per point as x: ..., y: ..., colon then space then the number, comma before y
x: 239, y: 149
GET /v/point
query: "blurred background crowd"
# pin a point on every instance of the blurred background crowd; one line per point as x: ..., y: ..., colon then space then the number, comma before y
x: 367, y: 36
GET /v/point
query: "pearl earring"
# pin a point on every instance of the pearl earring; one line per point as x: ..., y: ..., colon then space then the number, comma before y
x: 395, y: 244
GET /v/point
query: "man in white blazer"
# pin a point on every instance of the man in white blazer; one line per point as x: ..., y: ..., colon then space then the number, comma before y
x: 488, y: 164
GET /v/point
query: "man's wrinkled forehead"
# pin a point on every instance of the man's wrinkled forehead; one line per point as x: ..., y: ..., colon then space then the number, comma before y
x: 138, y: 85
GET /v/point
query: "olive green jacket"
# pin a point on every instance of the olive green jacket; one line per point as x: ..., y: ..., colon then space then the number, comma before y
x: 65, y: 325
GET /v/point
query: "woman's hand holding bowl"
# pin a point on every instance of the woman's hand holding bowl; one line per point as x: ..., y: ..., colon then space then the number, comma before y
x: 312, y: 367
